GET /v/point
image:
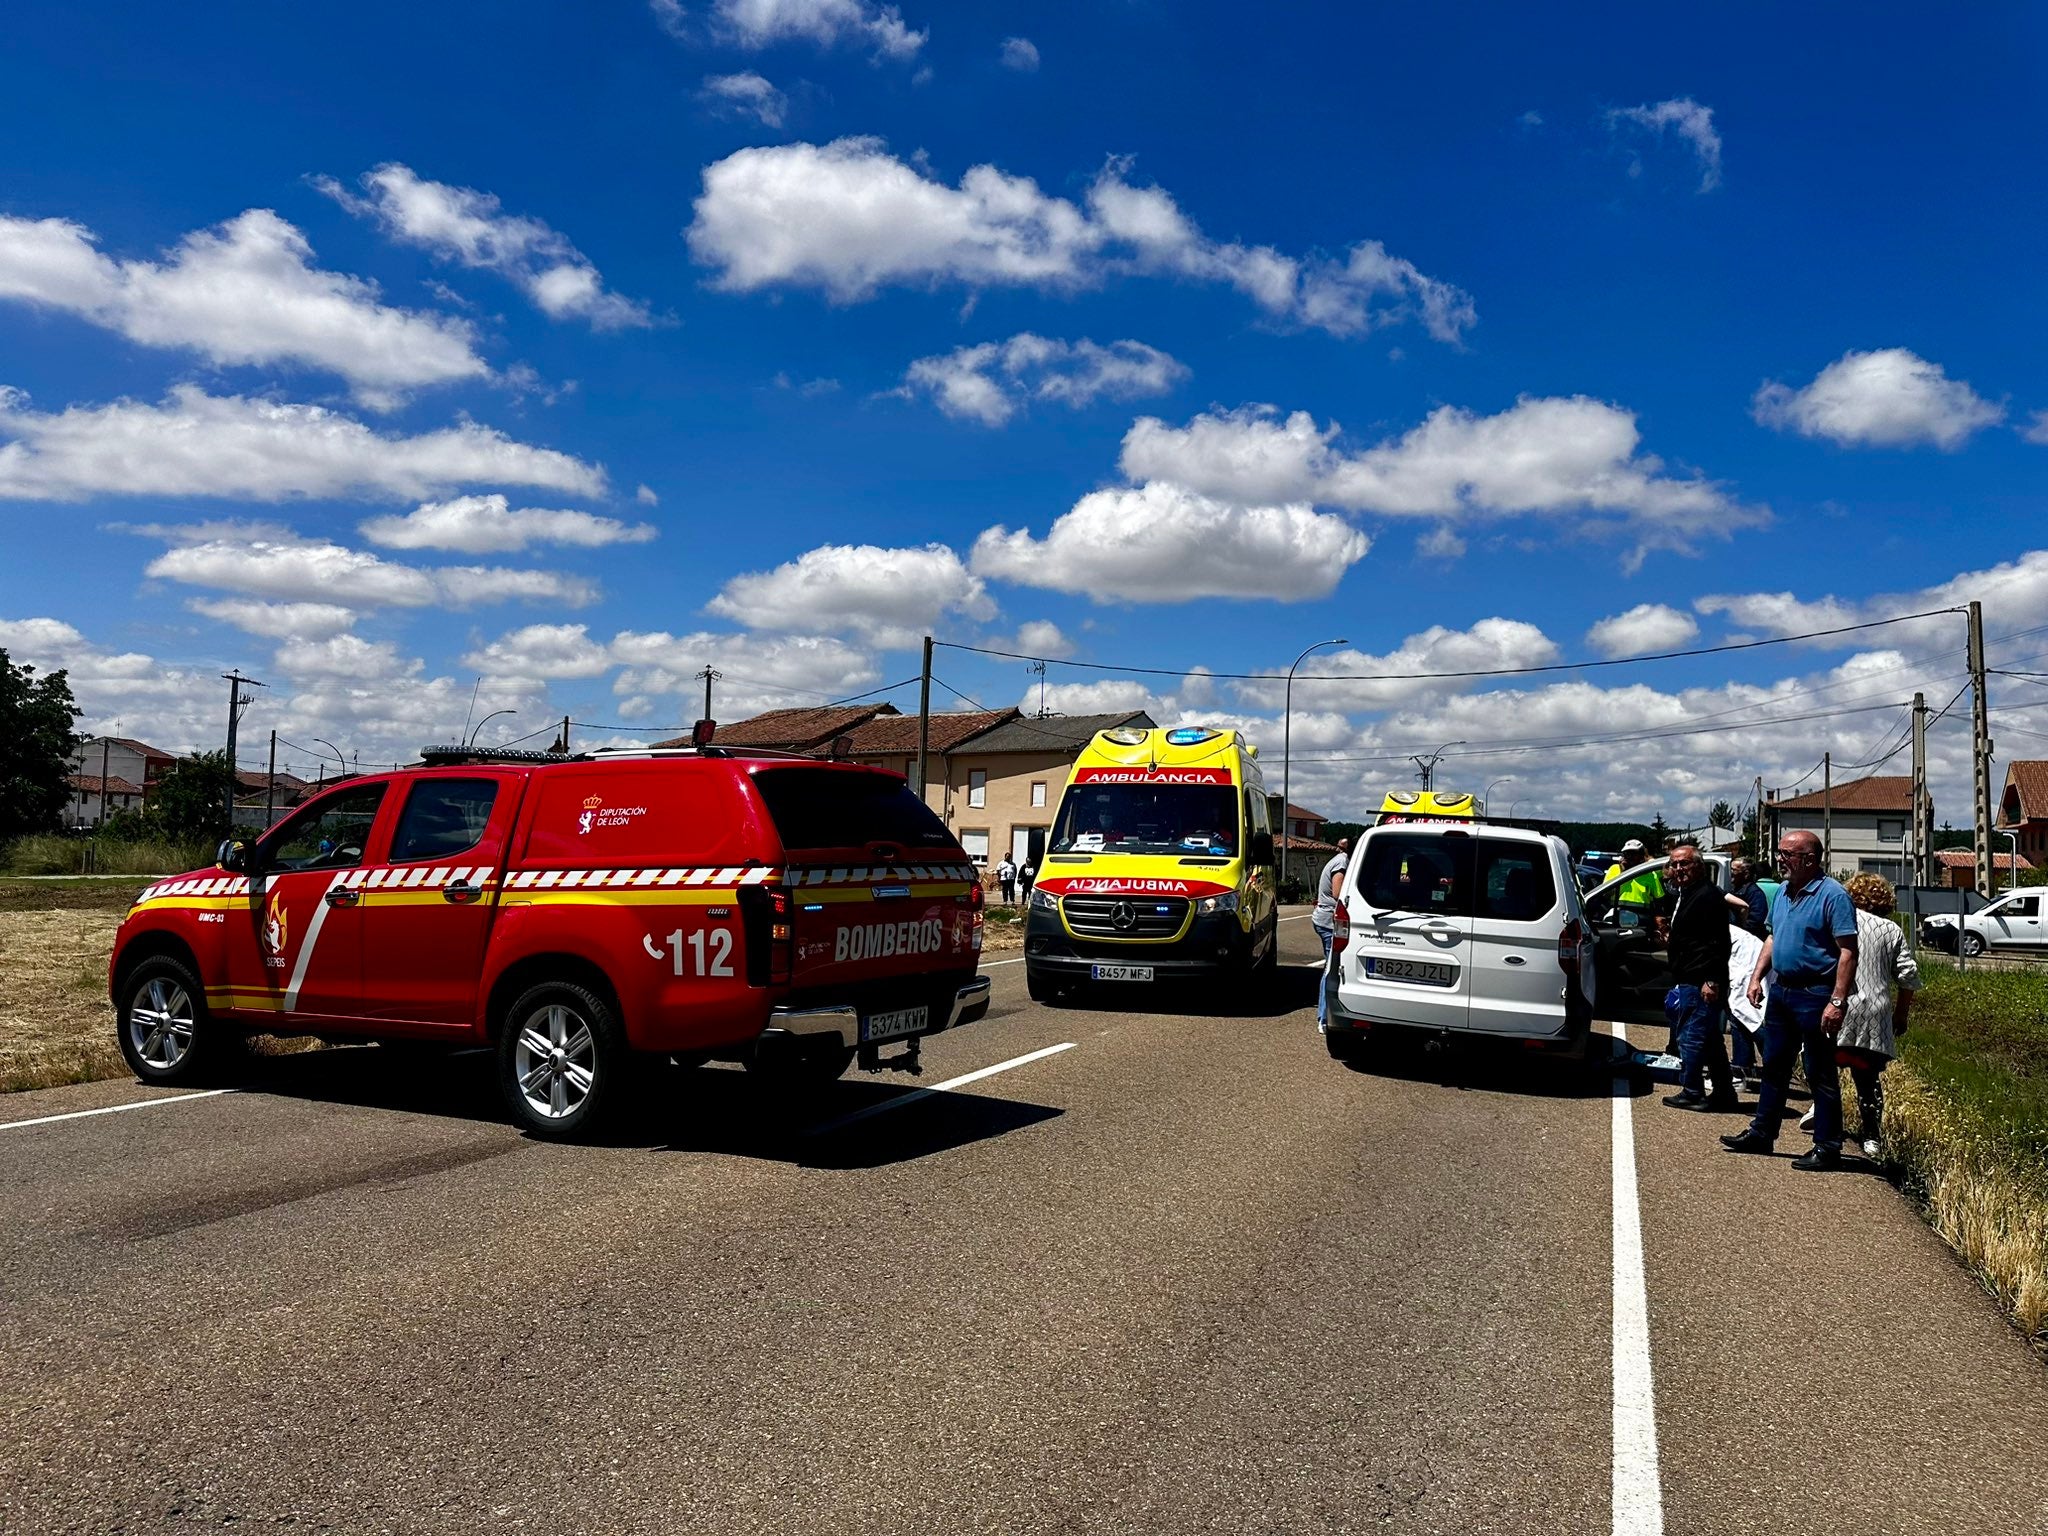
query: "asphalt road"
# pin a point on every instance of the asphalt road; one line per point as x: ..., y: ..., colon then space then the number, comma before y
x: 1188, y: 1275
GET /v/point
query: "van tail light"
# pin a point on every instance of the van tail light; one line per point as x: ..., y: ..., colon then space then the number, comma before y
x: 1340, y: 929
x: 768, y: 920
x: 1568, y: 946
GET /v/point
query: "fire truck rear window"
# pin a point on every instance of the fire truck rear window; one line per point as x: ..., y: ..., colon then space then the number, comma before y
x: 825, y: 808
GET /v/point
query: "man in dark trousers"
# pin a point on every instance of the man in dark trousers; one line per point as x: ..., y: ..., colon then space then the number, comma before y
x: 1811, y: 959
x: 1699, y: 972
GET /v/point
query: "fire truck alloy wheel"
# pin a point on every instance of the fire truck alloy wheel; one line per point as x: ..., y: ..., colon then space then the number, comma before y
x: 163, y: 1028
x: 558, y: 1056
x: 161, y: 1023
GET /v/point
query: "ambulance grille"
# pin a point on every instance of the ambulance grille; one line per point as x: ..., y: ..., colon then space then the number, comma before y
x: 1144, y: 917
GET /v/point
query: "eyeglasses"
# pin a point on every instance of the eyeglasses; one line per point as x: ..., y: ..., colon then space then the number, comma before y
x: 1795, y: 853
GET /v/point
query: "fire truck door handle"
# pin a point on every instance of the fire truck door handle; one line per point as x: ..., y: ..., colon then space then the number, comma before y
x: 461, y: 891
x: 343, y: 896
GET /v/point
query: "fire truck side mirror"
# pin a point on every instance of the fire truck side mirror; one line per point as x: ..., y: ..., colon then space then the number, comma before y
x: 702, y: 732
x: 232, y: 856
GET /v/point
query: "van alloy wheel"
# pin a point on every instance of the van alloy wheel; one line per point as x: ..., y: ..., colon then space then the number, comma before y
x: 555, y: 1061
x: 161, y: 1021
x: 1973, y: 945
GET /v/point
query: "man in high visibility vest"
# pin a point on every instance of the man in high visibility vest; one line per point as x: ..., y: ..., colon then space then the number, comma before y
x: 1646, y: 890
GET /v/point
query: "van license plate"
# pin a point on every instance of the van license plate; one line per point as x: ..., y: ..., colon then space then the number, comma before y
x: 1422, y: 971
x: 1120, y: 972
x: 891, y: 1026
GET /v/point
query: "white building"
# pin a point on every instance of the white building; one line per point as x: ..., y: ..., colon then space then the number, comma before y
x: 1869, y: 817
x: 129, y: 767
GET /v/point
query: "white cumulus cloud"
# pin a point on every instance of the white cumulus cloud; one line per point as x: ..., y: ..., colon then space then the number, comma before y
x: 1163, y: 543
x: 745, y: 94
x: 1690, y: 121
x: 232, y: 446
x: 849, y: 219
x: 243, y: 293
x: 488, y: 524
x: 758, y: 24
x: 1891, y: 398
x: 1020, y: 54
x: 1540, y: 457
x: 889, y: 597
x: 470, y: 228
x: 277, y: 621
x: 990, y: 382
x: 1644, y: 628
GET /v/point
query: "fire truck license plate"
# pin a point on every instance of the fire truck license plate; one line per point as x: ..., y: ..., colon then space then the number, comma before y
x: 888, y: 1026
x: 1120, y: 972
x: 1411, y: 970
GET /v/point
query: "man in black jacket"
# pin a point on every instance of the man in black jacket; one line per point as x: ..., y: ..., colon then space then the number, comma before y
x: 1699, y: 973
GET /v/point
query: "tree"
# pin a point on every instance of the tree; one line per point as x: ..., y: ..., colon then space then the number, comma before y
x: 186, y: 800
x: 1722, y: 815
x: 1658, y: 832
x: 36, y: 744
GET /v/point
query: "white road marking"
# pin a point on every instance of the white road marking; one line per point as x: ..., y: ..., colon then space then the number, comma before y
x: 1638, y: 1496
x: 946, y: 1087
x: 115, y: 1109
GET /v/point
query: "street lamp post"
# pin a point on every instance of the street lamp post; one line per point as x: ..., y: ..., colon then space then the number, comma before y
x: 487, y: 719
x: 1511, y: 807
x: 2013, y: 869
x: 1287, y: 753
x: 1486, y: 798
x: 330, y: 746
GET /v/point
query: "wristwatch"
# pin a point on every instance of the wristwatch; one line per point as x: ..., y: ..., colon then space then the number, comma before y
x: 1838, y: 1002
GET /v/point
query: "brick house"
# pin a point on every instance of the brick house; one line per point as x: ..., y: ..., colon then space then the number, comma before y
x: 1956, y: 868
x: 793, y: 730
x: 2023, y: 808
x: 1869, y: 818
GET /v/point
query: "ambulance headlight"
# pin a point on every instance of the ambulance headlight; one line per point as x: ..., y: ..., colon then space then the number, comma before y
x: 1044, y: 901
x: 1224, y: 903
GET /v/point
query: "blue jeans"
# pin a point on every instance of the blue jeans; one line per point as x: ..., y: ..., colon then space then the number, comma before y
x: 1697, y: 1024
x: 1323, y: 982
x: 1792, y: 1024
x: 1742, y: 1054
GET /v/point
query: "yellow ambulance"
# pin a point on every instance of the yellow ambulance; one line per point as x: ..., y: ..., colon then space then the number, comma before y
x: 1159, y: 866
x: 1405, y: 805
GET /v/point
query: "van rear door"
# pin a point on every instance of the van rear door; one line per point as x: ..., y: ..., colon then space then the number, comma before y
x: 1519, y: 912
x: 1410, y: 955
x: 881, y: 892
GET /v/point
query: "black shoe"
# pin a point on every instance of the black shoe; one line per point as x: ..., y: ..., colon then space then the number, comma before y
x: 1717, y: 1105
x: 1819, y: 1160
x: 1748, y: 1141
x: 1685, y: 1101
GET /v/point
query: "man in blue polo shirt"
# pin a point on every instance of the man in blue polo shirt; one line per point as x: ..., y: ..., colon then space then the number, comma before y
x: 1811, y: 957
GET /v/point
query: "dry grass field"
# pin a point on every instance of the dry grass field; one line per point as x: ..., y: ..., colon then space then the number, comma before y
x: 54, y: 940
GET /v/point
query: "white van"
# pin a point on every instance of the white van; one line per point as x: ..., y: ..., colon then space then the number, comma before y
x: 1469, y: 930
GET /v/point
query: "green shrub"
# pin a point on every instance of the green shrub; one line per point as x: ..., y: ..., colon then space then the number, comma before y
x: 52, y: 853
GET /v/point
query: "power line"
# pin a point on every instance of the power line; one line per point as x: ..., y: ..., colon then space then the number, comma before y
x: 1402, y: 677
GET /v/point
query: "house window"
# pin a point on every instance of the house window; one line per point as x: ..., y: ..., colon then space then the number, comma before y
x: 1037, y: 794
x: 1891, y: 829
x: 977, y: 788
x: 975, y: 841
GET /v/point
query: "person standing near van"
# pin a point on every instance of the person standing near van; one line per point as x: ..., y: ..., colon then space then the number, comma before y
x: 1025, y: 876
x: 1324, y: 919
x: 1811, y: 958
x: 1640, y: 893
x: 1699, y: 973
x: 1006, y: 877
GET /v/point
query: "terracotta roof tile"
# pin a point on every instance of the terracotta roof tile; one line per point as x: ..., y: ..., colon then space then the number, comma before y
x: 792, y: 730
x: 1878, y: 793
x: 2030, y: 779
x: 89, y: 784
x: 1962, y: 858
x: 894, y: 735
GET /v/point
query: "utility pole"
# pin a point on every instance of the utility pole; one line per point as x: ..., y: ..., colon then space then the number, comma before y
x: 924, y: 725
x: 237, y: 702
x: 1917, y: 838
x: 1426, y: 764
x: 270, y: 787
x: 1827, y: 813
x: 105, y: 753
x: 1980, y: 752
x: 710, y: 675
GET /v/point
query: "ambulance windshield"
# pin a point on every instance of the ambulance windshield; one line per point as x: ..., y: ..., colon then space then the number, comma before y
x: 1148, y: 818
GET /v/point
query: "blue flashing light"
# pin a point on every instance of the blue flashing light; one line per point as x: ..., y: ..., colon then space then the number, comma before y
x: 1189, y: 735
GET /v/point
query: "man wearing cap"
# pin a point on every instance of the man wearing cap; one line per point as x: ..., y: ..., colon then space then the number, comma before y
x: 1811, y: 959
x: 1644, y: 891
x: 1329, y: 891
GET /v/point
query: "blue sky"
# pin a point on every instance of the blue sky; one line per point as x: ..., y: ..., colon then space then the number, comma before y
x: 1142, y: 335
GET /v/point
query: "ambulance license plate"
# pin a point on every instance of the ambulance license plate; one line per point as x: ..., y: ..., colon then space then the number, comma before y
x: 1120, y: 972
x: 891, y: 1026
x: 1425, y: 972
